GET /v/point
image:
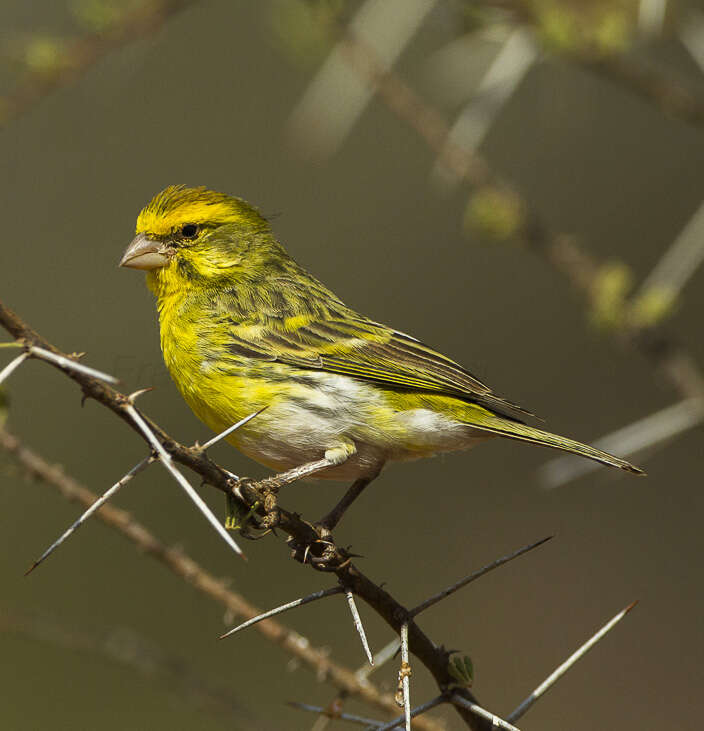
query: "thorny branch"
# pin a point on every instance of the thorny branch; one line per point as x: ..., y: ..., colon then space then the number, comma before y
x: 201, y: 580
x: 308, y: 543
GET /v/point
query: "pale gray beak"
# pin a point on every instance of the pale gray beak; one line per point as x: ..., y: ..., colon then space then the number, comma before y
x: 143, y: 253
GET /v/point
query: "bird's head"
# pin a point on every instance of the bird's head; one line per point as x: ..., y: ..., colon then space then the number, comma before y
x: 194, y: 235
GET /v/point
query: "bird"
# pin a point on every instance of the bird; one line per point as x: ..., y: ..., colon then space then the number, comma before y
x: 244, y: 327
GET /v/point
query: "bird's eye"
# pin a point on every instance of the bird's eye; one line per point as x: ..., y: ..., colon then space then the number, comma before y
x: 189, y: 231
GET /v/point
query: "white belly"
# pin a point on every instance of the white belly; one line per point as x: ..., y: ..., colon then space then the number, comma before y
x: 332, y: 409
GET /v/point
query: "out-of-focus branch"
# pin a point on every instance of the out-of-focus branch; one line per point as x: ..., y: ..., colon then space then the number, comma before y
x: 561, y: 250
x: 665, y: 354
x: 646, y: 434
x: 650, y: 84
x: 660, y: 290
x: 651, y: 17
x: 620, y: 65
x: 337, y: 715
x: 201, y: 580
x: 403, y: 101
x: 335, y: 706
x: 514, y: 59
x: 388, y: 28
x: 126, y: 647
x: 77, y: 56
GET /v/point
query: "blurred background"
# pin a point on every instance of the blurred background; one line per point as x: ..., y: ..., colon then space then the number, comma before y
x: 440, y: 204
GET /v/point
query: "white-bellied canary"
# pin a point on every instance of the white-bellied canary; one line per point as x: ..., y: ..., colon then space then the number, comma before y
x: 243, y: 327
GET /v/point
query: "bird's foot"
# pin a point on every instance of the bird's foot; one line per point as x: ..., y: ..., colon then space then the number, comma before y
x: 242, y: 508
x: 330, y: 521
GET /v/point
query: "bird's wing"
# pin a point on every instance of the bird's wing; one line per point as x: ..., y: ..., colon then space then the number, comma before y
x: 369, y: 351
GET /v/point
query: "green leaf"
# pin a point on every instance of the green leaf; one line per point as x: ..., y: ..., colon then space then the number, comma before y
x: 462, y: 670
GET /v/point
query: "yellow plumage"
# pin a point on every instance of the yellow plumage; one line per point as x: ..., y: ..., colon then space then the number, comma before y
x: 243, y: 327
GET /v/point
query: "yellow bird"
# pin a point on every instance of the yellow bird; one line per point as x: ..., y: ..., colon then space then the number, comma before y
x: 243, y: 327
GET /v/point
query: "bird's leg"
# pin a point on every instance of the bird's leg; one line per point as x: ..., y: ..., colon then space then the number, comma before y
x: 331, y: 519
x: 333, y: 457
x: 270, y: 486
x: 341, y: 454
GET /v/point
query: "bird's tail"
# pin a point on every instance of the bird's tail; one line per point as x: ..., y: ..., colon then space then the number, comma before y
x: 486, y: 421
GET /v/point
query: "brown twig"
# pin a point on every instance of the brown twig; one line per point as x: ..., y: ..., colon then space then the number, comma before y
x: 667, y: 94
x: 124, y: 646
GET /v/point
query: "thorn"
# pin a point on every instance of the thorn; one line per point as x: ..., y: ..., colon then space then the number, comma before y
x: 92, y: 509
x: 630, y: 606
x: 284, y: 608
x: 13, y: 365
x: 358, y: 625
x: 165, y: 459
x: 388, y: 652
x: 477, y: 710
x: 474, y: 576
x: 136, y: 394
x: 230, y: 429
x: 565, y: 666
x: 71, y: 365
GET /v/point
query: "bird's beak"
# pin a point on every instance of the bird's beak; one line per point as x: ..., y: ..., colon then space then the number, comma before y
x: 144, y: 253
